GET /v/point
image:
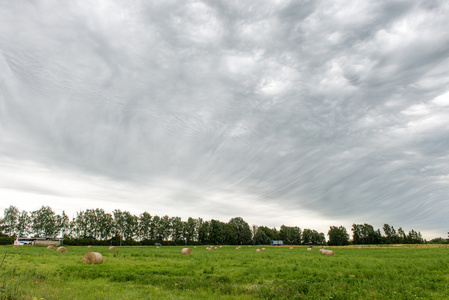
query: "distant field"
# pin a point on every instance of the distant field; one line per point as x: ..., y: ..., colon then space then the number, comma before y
x: 394, y: 272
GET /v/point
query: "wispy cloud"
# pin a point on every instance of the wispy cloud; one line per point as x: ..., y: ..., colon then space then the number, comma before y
x: 298, y: 112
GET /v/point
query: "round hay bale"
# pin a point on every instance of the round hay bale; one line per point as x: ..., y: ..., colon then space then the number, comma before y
x: 51, y: 247
x: 90, y: 246
x: 187, y: 251
x: 258, y: 250
x: 112, y: 248
x: 62, y: 249
x: 92, y: 258
x: 291, y: 248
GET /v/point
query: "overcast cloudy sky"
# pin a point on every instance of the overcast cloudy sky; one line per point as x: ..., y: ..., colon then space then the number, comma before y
x: 303, y: 113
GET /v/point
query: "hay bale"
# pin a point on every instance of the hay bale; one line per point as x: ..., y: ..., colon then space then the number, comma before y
x: 92, y: 258
x: 327, y: 252
x: 112, y: 248
x: 62, y: 249
x: 291, y: 248
x: 51, y: 247
x: 187, y: 251
x: 258, y: 250
x: 90, y: 246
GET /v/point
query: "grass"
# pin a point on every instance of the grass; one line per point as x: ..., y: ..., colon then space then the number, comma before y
x: 278, y: 273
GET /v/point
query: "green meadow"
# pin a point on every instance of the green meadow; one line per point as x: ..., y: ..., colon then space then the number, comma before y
x: 394, y: 272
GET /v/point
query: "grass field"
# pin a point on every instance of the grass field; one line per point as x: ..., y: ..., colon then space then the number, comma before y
x: 32, y: 272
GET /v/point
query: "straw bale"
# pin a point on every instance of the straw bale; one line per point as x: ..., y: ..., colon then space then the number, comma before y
x: 92, y: 258
x: 51, y: 247
x: 327, y: 252
x: 61, y: 249
x: 112, y: 248
x: 187, y: 251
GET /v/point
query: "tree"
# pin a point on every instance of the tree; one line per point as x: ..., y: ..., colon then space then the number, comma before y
x: 64, y: 224
x: 390, y: 234
x: 119, y: 223
x: 216, y: 232
x: 261, y: 237
x: 338, y: 236
x: 402, y: 238
x: 44, y: 221
x: 203, y: 232
x: 243, y: 231
x: 177, y: 229
x: 23, y: 224
x: 164, y: 228
x: 105, y: 224
x: 145, y: 220
x: 156, y: 231
x: 130, y: 225
x: 190, y: 230
x: 10, y: 218
x: 365, y: 234
x: 290, y: 235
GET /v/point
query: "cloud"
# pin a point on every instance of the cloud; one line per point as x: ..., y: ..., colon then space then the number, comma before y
x: 221, y: 109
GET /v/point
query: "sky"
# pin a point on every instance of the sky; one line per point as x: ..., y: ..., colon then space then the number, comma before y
x: 297, y: 113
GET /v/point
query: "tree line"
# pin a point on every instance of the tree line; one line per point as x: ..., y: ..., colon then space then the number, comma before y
x: 100, y: 227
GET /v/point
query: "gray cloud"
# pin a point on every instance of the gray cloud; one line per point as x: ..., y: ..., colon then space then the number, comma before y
x: 314, y: 106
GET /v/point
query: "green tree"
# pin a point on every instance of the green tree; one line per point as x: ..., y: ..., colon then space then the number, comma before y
x: 290, y: 235
x: 338, y: 236
x: 10, y: 219
x: 190, y: 229
x: 243, y: 231
x: 203, y: 232
x: 216, y: 232
x: 44, y: 222
x: 145, y: 221
x: 177, y: 230
x: 390, y: 234
x: 263, y: 236
x: 23, y: 224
